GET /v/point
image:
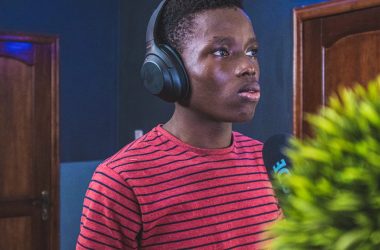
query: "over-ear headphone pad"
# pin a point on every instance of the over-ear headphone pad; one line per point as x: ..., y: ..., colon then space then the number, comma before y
x: 164, y: 74
x: 153, y: 74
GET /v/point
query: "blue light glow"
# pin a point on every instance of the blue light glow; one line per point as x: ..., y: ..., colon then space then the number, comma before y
x: 17, y: 47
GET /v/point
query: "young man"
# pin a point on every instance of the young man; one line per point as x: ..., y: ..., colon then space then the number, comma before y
x: 191, y: 183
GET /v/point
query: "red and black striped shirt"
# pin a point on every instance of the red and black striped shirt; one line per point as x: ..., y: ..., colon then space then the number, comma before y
x: 160, y: 193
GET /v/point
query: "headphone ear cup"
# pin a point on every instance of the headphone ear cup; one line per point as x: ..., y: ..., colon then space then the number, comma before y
x: 181, y: 82
x: 164, y: 74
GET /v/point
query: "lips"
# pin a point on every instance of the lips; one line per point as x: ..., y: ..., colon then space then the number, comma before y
x: 250, y: 92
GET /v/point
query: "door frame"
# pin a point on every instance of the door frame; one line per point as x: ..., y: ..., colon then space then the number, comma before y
x: 53, y: 42
x: 299, y: 16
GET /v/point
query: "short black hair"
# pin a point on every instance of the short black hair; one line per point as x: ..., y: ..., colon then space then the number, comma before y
x: 175, y: 25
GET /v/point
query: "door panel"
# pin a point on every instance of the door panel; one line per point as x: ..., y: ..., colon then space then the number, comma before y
x: 337, y: 43
x: 359, y: 54
x: 16, y: 241
x: 28, y: 142
x: 16, y: 126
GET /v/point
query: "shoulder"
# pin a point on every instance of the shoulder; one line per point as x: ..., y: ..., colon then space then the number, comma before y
x: 246, y: 144
x: 243, y: 139
x: 140, y: 150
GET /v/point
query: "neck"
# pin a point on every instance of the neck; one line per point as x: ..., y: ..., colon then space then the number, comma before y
x: 198, y: 131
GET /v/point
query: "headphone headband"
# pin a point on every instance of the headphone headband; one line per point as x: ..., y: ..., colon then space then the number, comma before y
x: 151, y: 30
x: 163, y: 71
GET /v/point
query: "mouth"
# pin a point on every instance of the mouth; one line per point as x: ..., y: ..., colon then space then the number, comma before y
x: 250, y: 92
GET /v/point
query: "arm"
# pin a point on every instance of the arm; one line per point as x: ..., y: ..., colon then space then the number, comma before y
x: 111, y: 217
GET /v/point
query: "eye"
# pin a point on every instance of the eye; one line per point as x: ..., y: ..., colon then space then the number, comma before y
x: 222, y: 52
x: 252, y: 53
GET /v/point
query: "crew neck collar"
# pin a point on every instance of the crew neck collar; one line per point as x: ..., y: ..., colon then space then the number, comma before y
x: 177, y: 141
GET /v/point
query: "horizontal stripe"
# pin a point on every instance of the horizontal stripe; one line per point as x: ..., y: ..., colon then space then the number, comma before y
x: 199, y: 181
x: 150, y: 159
x: 248, y: 152
x: 201, y: 199
x: 110, y: 219
x: 216, y: 224
x: 203, y: 217
x: 136, y: 155
x: 136, y: 149
x: 176, y: 161
x: 113, y: 179
x: 84, y: 246
x: 248, y: 140
x: 113, y: 238
x: 98, y: 242
x: 210, y: 234
x: 112, y: 210
x: 200, y: 172
x: 252, y: 243
x: 99, y: 223
x: 109, y: 228
x: 229, y: 239
x: 113, y: 200
x: 130, y: 145
x: 114, y: 190
x: 245, y: 146
x: 158, y: 150
x: 106, y: 235
x: 158, y: 166
x: 200, y: 190
x: 194, y: 165
x: 152, y: 139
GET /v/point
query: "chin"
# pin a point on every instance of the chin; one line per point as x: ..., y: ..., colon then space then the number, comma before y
x: 243, y: 117
x: 243, y: 120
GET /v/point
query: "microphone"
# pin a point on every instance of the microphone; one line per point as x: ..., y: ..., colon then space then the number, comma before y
x: 275, y: 161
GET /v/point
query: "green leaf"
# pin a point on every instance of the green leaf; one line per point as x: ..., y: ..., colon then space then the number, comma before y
x: 335, y: 183
x: 349, y: 239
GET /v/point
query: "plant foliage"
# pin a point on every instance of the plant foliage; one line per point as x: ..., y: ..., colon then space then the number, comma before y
x: 335, y: 182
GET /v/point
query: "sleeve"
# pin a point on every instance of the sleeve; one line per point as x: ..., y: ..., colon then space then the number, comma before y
x: 111, y: 217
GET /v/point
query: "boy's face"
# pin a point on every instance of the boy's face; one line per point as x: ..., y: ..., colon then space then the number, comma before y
x: 220, y: 59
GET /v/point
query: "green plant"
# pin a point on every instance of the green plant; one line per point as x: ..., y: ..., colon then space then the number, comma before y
x: 335, y: 181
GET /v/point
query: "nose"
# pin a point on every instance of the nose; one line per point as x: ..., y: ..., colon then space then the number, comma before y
x: 247, y: 66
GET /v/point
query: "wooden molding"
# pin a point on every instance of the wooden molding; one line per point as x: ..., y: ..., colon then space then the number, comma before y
x: 25, y: 37
x: 333, y: 7
x: 299, y: 16
x: 55, y: 169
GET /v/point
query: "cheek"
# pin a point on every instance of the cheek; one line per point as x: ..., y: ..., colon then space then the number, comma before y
x: 209, y: 87
x: 211, y: 77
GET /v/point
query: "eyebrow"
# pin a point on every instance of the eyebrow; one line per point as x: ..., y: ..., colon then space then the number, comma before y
x: 229, y: 40
x: 221, y: 39
x: 253, y: 41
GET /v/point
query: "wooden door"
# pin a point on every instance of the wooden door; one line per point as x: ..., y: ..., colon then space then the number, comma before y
x: 28, y: 142
x: 337, y: 43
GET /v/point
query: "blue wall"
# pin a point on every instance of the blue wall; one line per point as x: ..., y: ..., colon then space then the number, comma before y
x: 89, y: 59
x: 75, y: 177
x: 138, y: 109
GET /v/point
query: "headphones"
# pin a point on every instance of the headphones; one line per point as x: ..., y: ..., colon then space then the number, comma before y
x: 163, y: 71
